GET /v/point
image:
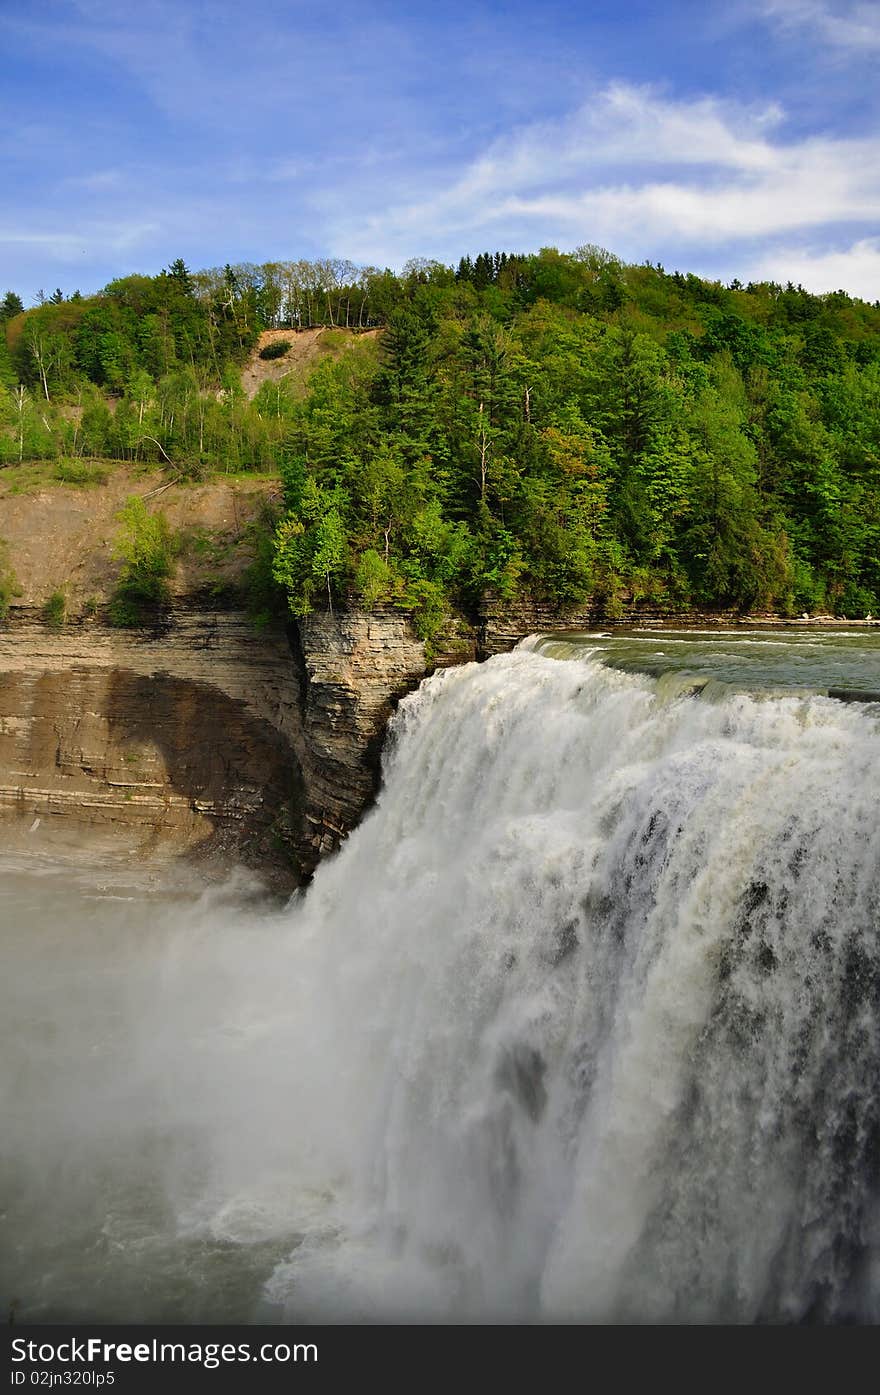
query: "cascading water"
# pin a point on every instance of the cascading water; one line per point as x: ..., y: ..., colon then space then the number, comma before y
x: 582, y: 1023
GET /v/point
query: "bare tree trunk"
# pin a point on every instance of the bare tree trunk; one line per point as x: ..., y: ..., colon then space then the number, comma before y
x: 20, y: 404
x: 36, y: 347
x: 162, y: 449
x: 484, y: 455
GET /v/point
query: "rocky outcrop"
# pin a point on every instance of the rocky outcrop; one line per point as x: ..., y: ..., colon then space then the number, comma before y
x: 178, y: 740
x: 502, y: 624
x: 354, y: 666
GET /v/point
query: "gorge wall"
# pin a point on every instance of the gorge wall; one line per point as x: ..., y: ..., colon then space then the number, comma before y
x: 203, y: 737
x: 502, y: 624
x: 146, y: 744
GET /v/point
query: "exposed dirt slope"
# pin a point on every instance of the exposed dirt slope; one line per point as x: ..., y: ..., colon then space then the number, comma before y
x: 61, y: 537
x: 307, y: 346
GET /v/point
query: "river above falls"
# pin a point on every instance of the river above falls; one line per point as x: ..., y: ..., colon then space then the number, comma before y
x: 843, y: 662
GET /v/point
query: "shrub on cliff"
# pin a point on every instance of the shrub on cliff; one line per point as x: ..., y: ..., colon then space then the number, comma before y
x: 9, y: 586
x: 277, y: 349
x: 146, y: 546
x: 265, y: 600
x: 55, y: 610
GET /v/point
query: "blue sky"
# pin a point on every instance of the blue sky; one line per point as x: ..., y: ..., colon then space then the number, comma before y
x: 730, y: 139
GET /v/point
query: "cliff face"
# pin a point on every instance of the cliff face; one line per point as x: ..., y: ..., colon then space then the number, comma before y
x: 150, y: 743
x: 354, y: 666
x: 504, y: 623
x: 205, y: 738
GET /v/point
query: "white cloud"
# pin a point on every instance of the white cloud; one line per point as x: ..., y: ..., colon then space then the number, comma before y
x: 699, y: 182
x: 852, y: 27
x: 635, y: 170
x: 855, y: 269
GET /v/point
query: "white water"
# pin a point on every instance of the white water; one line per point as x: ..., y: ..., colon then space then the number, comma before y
x: 581, y: 1024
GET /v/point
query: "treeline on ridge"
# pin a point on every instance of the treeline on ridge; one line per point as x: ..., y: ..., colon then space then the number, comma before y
x: 559, y: 424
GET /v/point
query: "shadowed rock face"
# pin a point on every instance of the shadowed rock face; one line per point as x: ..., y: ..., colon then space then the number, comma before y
x: 168, y: 764
x: 152, y: 745
x: 353, y: 668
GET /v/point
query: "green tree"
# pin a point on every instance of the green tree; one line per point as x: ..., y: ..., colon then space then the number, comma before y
x: 11, y: 305
x: 311, y: 549
x: 146, y: 546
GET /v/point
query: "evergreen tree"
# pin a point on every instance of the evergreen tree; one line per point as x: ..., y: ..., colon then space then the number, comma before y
x: 10, y: 305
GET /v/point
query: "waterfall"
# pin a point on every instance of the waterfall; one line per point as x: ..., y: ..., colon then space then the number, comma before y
x: 581, y: 1024
x: 591, y: 999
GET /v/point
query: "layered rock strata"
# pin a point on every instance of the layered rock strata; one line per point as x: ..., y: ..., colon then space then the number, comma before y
x: 354, y: 667
x: 179, y: 738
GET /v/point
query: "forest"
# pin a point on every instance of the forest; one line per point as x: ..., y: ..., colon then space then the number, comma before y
x: 559, y: 425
